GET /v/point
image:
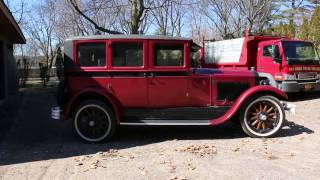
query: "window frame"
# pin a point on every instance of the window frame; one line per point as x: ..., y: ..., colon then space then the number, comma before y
x: 144, y: 54
x: 186, y: 52
x: 75, y: 55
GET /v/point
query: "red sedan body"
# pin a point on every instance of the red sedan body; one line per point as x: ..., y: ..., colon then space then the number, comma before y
x: 153, y: 80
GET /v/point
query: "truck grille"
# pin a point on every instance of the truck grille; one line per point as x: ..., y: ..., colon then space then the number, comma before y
x: 306, y: 76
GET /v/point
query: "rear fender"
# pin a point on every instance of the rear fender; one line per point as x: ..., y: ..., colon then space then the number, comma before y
x: 93, y: 92
x: 257, y: 90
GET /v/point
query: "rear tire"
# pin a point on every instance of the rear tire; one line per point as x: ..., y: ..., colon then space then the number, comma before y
x: 94, y: 121
x: 262, y: 117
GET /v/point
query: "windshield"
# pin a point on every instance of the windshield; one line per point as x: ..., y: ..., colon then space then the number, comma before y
x: 300, y: 53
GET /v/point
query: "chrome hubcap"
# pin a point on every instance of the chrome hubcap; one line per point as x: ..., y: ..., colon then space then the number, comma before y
x: 262, y: 117
x: 91, y: 123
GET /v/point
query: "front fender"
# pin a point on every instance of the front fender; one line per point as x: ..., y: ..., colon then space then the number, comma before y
x: 93, y: 91
x: 267, y: 90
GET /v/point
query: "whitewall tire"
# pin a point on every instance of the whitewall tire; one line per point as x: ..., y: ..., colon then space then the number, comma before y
x: 94, y: 121
x: 262, y: 117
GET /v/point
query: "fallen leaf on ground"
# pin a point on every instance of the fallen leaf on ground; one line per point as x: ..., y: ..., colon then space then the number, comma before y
x: 292, y: 154
x: 165, y: 162
x: 173, y: 169
x: 235, y: 149
x: 301, y: 138
x: 173, y: 178
x: 245, y: 140
x: 144, y: 172
x: 79, y: 164
x: 191, y: 167
x: 270, y: 156
x: 200, y: 150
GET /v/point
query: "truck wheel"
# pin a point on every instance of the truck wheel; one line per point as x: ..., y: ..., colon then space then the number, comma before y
x: 262, y: 117
x: 94, y: 121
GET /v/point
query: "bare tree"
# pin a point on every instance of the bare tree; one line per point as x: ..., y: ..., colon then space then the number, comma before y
x: 18, y: 10
x: 40, y: 29
x: 138, y: 13
x: 220, y: 13
x: 71, y: 23
x: 76, y: 7
x: 168, y: 16
x: 131, y: 15
x: 134, y: 15
x: 256, y: 12
x: 161, y: 16
x: 127, y: 16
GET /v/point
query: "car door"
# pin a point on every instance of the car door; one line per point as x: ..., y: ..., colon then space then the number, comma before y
x: 266, y: 62
x: 168, y: 78
x: 127, y: 71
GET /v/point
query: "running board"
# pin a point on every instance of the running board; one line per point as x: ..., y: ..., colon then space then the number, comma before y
x: 167, y: 122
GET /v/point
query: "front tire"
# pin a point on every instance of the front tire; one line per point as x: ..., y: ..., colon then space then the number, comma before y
x: 262, y: 117
x: 94, y: 121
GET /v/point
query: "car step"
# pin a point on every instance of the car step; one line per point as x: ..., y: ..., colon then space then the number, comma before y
x: 167, y: 122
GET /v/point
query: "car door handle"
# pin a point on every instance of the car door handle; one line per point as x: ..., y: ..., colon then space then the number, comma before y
x: 146, y: 75
x: 152, y: 75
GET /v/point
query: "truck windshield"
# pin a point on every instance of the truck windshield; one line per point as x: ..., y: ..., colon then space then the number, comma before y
x: 300, y: 53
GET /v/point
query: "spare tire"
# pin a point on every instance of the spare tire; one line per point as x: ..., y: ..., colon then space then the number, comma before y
x: 61, y: 93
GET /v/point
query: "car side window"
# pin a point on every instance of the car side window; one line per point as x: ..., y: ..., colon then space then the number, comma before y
x: 168, y: 55
x: 127, y: 54
x: 195, y: 59
x: 91, y: 54
x: 267, y: 51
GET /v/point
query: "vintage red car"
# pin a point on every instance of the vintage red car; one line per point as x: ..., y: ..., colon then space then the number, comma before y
x: 154, y: 80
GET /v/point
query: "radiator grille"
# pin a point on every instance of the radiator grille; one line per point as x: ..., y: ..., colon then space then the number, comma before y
x: 306, y: 76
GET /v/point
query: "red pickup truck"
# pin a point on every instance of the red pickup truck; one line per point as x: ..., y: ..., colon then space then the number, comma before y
x: 149, y: 80
x: 288, y: 64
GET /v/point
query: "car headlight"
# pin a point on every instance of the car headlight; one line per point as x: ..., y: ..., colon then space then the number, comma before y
x: 289, y: 77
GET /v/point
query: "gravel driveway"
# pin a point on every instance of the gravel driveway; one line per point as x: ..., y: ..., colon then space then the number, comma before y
x: 40, y: 148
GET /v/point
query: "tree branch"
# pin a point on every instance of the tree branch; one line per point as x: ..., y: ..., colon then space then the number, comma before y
x: 76, y: 8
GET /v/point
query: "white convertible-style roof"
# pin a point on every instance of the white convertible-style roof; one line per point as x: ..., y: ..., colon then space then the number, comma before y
x: 122, y: 36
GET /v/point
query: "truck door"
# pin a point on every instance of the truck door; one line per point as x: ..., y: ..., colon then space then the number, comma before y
x: 168, y: 78
x: 269, y: 59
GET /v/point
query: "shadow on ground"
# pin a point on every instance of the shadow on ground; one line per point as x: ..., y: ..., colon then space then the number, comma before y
x: 292, y: 129
x: 8, y: 112
x: 303, y: 96
x: 35, y: 137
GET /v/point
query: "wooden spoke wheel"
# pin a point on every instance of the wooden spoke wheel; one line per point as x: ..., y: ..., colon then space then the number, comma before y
x: 94, y: 121
x: 262, y: 117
